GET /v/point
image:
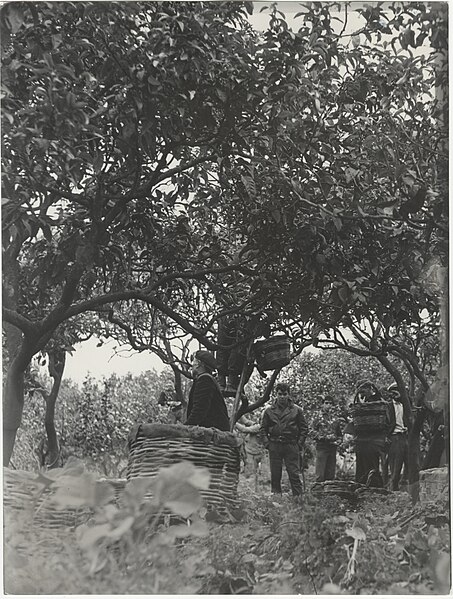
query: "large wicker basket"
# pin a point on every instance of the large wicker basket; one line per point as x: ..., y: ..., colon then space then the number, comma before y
x: 272, y: 353
x: 370, y: 416
x: 153, y: 446
x: 25, y: 498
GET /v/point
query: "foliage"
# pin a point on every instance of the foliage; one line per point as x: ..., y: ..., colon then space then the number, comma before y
x: 118, y: 542
x: 166, y: 159
x: 313, y: 375
x: 93, y: 421
x: 335, y: 373
x: 276, y: 547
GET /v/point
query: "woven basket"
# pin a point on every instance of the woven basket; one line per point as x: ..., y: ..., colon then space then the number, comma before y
x: 22, y: 493
x: 154, y: 446
x: 23, y: 496
x: 272, y: 353
x: 370, y: 416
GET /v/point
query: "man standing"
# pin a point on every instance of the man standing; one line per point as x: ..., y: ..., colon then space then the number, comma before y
x: 370, y: 427
x: 397, y: 451
x: 206, y: 406
x: 253, y: 447
x: 283, y: 432
x: 327, y: 432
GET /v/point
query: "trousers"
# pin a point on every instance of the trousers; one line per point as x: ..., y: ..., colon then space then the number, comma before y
x: 289, y: 454
x: 397, y: 456
x: 367, y: 456
x: 326, y: 458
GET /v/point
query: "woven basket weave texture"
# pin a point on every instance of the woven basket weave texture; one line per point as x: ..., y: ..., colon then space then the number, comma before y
x: 371, y: 416
x: 154, y: 446
x: 272, y: 353
x: 23, y: 495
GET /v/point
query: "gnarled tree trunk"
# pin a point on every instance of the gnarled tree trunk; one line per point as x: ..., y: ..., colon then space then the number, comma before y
x: 13, y: 405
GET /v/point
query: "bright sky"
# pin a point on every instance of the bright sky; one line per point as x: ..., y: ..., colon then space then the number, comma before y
x: 105, y: 360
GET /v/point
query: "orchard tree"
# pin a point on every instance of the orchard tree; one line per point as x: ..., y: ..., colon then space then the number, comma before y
x: 412, y: 355
x: 54, y: 358
x: 167, y: 154
x: 93, y: 419
x: 111, y: 115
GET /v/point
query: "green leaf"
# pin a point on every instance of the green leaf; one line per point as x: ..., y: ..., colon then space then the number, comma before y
x: 343, y: 294
x: 124, y: 527
x: 14, y: 16
x: 182, y: 499
x: 103, y: 493
x: 177, y: 487
x: 356, y: 533
x: 200, y: 478
x: 88, y: 536
x: 75, y: 491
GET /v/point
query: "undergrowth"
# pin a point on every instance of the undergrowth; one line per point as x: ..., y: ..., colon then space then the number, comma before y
x: 269, y: 545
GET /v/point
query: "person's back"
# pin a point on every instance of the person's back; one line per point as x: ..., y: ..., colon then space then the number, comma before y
x: 206, y: 406
x: 370, y: 426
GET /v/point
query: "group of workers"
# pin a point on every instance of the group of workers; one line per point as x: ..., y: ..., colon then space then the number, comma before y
x: 380, y: 444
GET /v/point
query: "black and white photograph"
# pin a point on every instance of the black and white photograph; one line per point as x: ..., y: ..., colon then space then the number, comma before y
x: 225, y: 307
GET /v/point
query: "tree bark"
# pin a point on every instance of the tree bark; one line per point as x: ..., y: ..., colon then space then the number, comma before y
x: 13, y: 405
x: 57, y: 361
x: 413, y: 457
x: 178, y: 386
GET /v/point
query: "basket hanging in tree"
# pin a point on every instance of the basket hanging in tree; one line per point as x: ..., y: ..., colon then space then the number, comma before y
x: 272, y: 353
x: 154, y: 446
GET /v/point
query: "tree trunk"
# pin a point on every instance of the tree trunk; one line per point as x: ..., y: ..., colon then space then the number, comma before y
x: 13, y: 405
x: 57, y: 361
x: 435, y: 451
x: 447, y: 434
x: 178, y: 387
x: 413, y: 457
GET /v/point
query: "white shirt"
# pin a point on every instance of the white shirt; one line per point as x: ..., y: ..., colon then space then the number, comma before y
x: 399, y: 426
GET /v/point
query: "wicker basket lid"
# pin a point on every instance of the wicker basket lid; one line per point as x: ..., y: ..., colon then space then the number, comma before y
x: 181, y: 431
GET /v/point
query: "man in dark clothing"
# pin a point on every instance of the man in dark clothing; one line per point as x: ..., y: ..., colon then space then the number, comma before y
x: 397, y: 451
x: 327, y: 432
x: 283, y: 432
x: 206, y: 406
x: 230, y: 361
x: 369, y: 438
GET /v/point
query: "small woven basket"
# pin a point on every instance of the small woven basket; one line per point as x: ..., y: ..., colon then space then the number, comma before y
x: 272, y: 353
x: 370, y: 416
x: 153, y: 446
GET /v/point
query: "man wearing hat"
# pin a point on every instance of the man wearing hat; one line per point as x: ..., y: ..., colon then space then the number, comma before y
x: 397, y: 451
x: 206, y: 405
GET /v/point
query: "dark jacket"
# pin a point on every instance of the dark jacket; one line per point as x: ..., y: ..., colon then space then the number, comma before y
x: 288, y: 425
x: 327, y: 427
x: 206, y: 405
